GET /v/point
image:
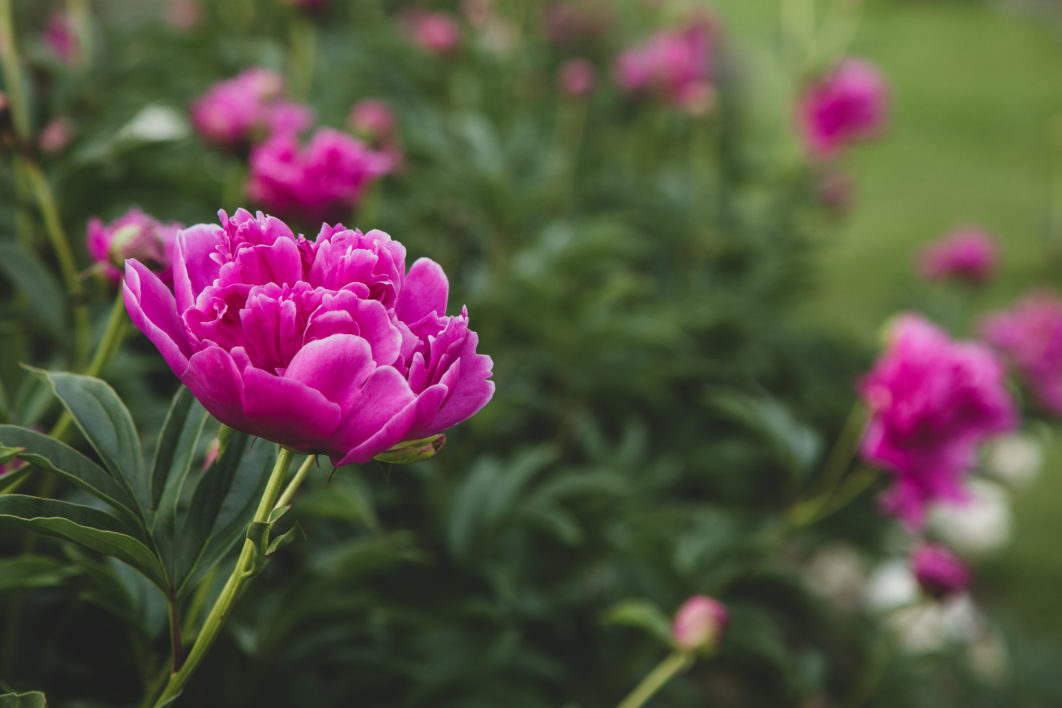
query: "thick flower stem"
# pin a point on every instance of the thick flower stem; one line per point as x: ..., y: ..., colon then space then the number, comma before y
x: 231, y: 592
x: 675, y: 663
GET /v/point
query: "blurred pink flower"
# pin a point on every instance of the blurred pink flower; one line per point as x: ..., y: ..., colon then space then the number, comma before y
x: 699, y: 624
x: 56, y: 135
x: 1029, y: 335
x: 132, y: 235
x: 316, y: 183
x: 939, y: 572
x: 847, y: 104
x: 676, y: 64
x: 59, y: 36
x: 436, y: 32
x: 311, y: 5
x: 932, y: 401
x: 834, y: 190
x: 577, y: 77
x: 248, y: 107
x: 183, y: 14
x: 967, y: 254
x: 373, y: 120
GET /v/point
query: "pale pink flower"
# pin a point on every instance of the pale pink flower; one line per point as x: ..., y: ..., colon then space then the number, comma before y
x: 577, y: 77
x: 675, y: 64
x: 699, y: 624
x: 435, y: 32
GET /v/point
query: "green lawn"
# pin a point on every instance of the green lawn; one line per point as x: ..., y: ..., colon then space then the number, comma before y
x: 974, y: 90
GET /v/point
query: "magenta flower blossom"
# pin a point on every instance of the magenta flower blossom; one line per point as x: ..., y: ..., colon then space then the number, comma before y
x: 435, y: 32
x: 577, y: 77
x: 133, y: 235
x: 372, y: 119
x: 317, y: 183
x: 59, y: 36
x: 1029, y: 335
x: 848, y: 104
x: 676, y: 65
x: 967, y: 254
x: 932, y: 401
x: 251, y: 106
x: 699, y: 624
x: 328, y: 346
x: 939, y: 572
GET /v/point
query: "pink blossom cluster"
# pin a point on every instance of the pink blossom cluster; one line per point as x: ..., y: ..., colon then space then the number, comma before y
x: 968, y: 255
x: 245, y: 109
x: 938, y: 571
x: 675, y: 64
x: 848, y: 104
x: 932, y: 402
x: 133, y: 235
x: 316, y: 182
x: 434, y: 32
x: 1029, y: 335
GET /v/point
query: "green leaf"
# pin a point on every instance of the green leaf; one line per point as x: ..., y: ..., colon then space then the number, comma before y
x: 642, y: 614
x: 51, y: 455
x: 223, y: 504
x: 176, y: 447
x: 412, y: 450
x: 91, y: 528
x: 42, y: 290
x: 32, y: 571
x: 108, y: 426
x: 31, y: 699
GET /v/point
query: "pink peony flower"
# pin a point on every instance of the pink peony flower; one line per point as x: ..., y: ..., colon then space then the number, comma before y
x: 316, y: 183
x: 436, y: 32
x: 846, y: 105
x: 699, y: 624
x: 372, y: 119
x: 967, y: 254
x: 133, y: 235
x: 59, y: 36
x: 939, y: 572
x: 250, y: 106
x: 1029, y: 335
x: 577, y: 77
x: 328, y: 346
x: 674, y: 64
x: 932, y: 401
x: 56, y: 135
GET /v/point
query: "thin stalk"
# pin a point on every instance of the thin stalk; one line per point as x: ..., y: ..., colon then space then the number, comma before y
x: 175, y: 629
x: 297, y: 480
x: 667, y: 669
x: 230, y: 593
x: 16, y: 91
x: 833, y: 469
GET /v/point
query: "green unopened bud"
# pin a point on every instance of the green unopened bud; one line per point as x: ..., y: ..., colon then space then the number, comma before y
x: 410, y: 451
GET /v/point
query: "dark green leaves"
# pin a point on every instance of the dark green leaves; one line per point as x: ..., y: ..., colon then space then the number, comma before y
x: 31, y: 699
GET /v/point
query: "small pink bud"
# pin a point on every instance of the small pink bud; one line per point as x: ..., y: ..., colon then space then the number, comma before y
x: 699, y: 624
x: 577, y: 77
x: 939, y: 572
x: 372, y: 119
x: 56, y: 135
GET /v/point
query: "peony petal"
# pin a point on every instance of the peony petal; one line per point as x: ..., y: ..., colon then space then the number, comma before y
x: 380, y: 399
x: 214, y: 379
x: 196, y: 264
x: 337, y: 366
x: 424, y: 290
x: 398, y: 427
x: 151, y: 307
x: 286, y: 410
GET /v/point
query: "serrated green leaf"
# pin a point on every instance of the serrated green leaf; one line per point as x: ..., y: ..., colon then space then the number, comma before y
x: 108, y: 426
x: 642, y: 614
x: 66, y: 462
x: 91, y: 528
x: 42, y: 290
x: 31, y: 699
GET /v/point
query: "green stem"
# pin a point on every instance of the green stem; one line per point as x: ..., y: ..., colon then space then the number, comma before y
x: 54, y: 228
x: 16, y: 91
x: 844, y: 449
x: 676, y: 662
x: 231, y: 592
x: 303, y: 55
x: 297, y: 480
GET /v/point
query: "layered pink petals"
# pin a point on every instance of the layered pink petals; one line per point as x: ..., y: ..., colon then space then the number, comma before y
x: 1029, y: 335
x: 848, y: 104
x: 132, y: 235
x: 967, y: 254
x: 325, y: 346
x: 675, y: 64
x: 932, y: 402
x: 247, y: 108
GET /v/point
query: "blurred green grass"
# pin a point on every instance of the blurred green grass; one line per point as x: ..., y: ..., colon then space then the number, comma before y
x: 974, y: 88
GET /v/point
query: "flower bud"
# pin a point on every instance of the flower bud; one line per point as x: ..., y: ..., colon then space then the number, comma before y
x: 577, y: 77
x: 699, y: 624
x: 939, y: 572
